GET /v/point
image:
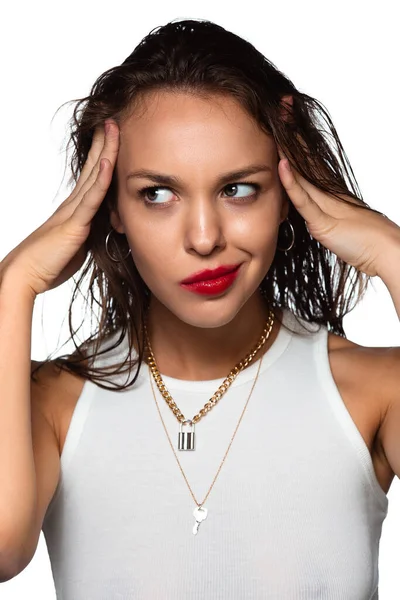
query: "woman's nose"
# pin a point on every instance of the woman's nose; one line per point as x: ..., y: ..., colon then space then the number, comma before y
x: 204, y: 231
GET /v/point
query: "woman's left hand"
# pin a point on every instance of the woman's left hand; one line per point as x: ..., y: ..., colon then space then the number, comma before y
x: 361, y: 238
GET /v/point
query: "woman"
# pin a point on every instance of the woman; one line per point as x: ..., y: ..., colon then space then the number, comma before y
x: 250, y: 454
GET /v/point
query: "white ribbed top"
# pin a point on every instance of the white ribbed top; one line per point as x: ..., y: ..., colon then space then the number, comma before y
x: 296, y: 512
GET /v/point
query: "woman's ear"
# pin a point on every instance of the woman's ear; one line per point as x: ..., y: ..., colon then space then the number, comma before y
x: 286, y: 108
x: 284, y: 208
x: 116, y: 222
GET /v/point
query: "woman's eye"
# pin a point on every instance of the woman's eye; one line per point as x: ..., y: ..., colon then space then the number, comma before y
x: 147, y: 192
x: 234, y: 187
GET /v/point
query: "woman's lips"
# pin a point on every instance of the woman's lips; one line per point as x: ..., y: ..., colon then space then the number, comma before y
x: 211, y: 287
x: 210, y: 273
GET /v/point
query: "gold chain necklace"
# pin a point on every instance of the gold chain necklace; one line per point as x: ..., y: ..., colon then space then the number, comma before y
x: 186, y: 439
x: 200, y: 512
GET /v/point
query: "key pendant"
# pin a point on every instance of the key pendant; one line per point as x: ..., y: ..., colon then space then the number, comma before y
x: 199, y: 513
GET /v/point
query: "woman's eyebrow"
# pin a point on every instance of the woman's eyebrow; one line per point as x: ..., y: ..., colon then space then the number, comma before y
x: 162, y: 178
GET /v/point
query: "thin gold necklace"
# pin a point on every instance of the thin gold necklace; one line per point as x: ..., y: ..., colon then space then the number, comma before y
x: 186, y: 439
x: 200, y: 512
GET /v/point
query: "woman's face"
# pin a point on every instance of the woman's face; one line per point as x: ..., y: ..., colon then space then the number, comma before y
x: 198, y: 220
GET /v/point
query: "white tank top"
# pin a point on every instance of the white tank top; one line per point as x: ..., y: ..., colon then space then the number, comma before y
x: 296, y: 512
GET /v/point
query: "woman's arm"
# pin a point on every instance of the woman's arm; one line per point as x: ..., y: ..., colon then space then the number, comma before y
x: 17, y: 468
x: 390, y: 275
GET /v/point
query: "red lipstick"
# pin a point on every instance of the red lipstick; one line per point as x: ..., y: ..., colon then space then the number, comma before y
x: 211, y: 282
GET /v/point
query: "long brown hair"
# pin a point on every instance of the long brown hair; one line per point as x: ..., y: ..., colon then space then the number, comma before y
x: 203, y: 58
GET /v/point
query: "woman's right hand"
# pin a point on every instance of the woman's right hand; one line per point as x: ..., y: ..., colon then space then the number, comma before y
x: 55, y: 251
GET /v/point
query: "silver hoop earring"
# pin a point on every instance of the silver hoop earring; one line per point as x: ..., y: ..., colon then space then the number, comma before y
x: 293, y: 237
x: 108, y: 253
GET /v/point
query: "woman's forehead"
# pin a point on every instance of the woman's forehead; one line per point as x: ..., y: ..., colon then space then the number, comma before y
x: 180, y: 112
x: 185, y: 127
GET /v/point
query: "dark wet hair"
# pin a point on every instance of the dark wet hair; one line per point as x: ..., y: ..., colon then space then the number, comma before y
x: 202, y: 58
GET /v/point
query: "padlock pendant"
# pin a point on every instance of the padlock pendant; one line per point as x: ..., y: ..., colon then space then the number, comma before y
x: 186, y: 438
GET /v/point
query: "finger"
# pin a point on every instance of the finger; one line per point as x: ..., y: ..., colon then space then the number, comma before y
x: 327, y: 202
x: 98, y: 150
x: 109, y: 151
x: 94, y: 154
x: 300, y: 197
x: 93, y: 197
x: 92, y: 158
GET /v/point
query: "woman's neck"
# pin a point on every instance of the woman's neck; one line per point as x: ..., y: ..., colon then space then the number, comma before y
x: 193, y: 353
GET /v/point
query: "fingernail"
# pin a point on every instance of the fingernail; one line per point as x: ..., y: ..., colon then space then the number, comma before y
x: 107, y: 126
x: 287, y: 166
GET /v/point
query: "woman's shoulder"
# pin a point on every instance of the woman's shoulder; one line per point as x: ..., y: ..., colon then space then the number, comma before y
x: 54, y: 392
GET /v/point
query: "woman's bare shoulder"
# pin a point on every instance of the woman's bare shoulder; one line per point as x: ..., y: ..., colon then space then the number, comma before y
x: 50, y: 376
x: 337, y: 342
x: 373, y: 369
x: 55, y: 392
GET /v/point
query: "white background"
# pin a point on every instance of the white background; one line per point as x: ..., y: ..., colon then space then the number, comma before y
x: 342, y: 53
